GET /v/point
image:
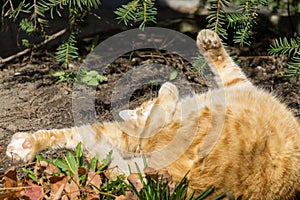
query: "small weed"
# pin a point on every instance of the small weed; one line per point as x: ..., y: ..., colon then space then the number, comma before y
x: 90, y: 78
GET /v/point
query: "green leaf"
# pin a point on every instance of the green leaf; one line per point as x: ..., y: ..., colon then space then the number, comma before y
x: 92, y: 73
x: 59, y: 74
x: 79, y: 155
x: 27, y: 26
x: 26, y: 43
x: 71, y: 163
x: 59, y: 163
x: 86, y: 79
x: 102, y: 78
x: 93, y: 163
x: 41, y: 158
x: 30, y: 174
x: 67, y: 51
x: 173, y: 75
x: 105, y: 162
x: 93, y: 82
x: 137, y: 11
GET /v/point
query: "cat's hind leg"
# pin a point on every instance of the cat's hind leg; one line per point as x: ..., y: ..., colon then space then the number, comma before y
x: 228, y: 73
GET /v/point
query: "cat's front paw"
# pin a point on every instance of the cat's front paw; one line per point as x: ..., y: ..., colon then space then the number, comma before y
x: 170, y: 90
x: 21, y: 147
x: 207, y: 40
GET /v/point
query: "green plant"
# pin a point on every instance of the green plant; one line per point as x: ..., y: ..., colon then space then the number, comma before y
x: 137, y: 11
x: 65, y: 76
x: 173, y: 75
x: 290, y: 48
x: 37, y: 21
x: 110, y: 188
x: 155, y: 186
x: 241, y: 21
x: 199, y: 65
x: 217, y: 17
x: 90, y: 78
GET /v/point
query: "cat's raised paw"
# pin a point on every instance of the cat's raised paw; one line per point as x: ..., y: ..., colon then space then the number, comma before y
x: 21, y: 147
x: 169, y: 89
x: 208, y: 39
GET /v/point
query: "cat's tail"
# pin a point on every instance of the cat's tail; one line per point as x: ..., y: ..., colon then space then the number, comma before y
x: 226, y: 70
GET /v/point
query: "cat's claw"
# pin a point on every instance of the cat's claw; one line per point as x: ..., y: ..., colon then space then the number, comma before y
x: 21, y: 147
x: 207, y: 40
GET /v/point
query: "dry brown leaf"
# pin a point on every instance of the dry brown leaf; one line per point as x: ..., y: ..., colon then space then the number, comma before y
x: 43, y: 163
x: 128, y: 196
x: 34, y: 192
x: 94, y: 178
x: 59, y: 192
x: 151, y: 172
x: 81, y: 171
x: 10, y: 178
x: 92, y: 196
x: 56, y: 183
x: 65, y: 197
x: 134, y: 178
x: 72, y: 190
x: 51, y: 169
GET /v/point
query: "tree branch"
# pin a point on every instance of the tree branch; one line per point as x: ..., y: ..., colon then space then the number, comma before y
x: 25, y: 51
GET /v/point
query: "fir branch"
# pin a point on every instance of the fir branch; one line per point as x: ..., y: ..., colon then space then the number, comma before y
x: 293, y: 69
x: 217, y: 17
x: 284, y: 46
x: 67, y: 51
x: 137, y: 11
x: 14, y: 12
x: 291, y: 48
x: 244, y: 20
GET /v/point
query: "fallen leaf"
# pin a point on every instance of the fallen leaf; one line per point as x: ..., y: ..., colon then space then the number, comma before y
x: 94, y: 178
x: 128, y: 196
x: 81, y: 171
x: 10, y: 178
x: 43, y: 163
x: 58, y: 192
x: 57, y: 182
x: 72, y: 190
x: 151, y: 172
x: 51, y: 169
x: 135, y: 180
x: 34, y: 192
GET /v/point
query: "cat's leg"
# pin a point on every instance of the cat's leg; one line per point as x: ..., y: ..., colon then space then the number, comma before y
x: 228, y: 73
x: 24, y: 146
x: 163, y: 109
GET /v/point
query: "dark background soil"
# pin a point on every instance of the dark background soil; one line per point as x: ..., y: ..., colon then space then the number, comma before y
x: 31, y: 99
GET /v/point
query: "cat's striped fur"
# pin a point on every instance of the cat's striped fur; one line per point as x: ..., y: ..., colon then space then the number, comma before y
x: 239, y: 137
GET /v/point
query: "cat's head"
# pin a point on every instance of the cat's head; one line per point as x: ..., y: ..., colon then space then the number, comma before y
x: 139, y: 115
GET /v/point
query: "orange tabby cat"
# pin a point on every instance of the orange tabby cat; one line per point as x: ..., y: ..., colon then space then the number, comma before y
x: 236, y: 137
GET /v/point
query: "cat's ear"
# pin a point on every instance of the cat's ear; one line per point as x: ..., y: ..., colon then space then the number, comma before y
x: 126, y: 115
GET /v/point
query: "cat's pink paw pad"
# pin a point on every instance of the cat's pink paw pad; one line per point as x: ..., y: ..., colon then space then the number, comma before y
x: 21, y: 147
x: 208, y: 39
